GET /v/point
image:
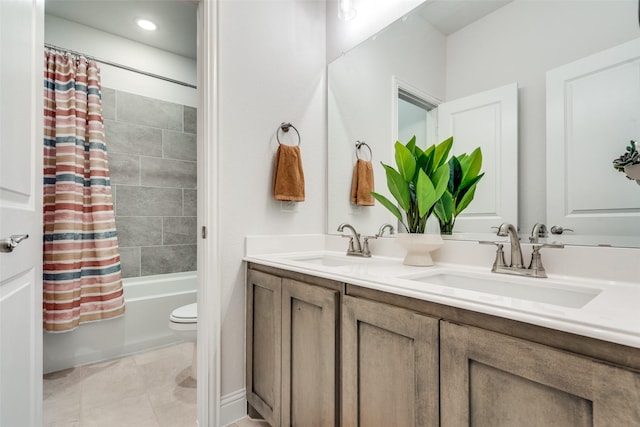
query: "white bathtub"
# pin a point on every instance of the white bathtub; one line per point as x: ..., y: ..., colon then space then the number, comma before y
x: 145, y: 325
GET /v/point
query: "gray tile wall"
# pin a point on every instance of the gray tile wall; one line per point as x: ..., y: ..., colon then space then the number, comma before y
x: 152, y: 160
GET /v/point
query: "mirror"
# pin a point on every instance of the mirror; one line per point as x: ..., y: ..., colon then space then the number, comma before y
x: 448, y: 50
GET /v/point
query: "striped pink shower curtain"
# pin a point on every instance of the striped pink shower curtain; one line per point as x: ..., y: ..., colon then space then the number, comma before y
x: 81, y: 270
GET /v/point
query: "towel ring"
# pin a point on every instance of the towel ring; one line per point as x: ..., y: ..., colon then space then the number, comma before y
x: 359, y: 145
x: 284, y: 127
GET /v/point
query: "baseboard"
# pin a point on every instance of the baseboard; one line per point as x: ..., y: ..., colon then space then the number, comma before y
x: 233, y: 406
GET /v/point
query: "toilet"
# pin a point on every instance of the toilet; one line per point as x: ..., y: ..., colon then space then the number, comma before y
x: 184, y: 322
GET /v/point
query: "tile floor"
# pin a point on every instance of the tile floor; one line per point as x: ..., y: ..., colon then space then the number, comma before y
x: 151, y: 389
x: 248, y: 422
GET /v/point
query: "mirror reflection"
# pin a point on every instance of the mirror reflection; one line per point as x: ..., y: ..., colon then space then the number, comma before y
x: 444, y: 51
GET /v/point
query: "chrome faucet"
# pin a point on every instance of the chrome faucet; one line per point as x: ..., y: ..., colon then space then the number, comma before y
x: 539, y: 230
x: 355, y: 247
x: 385, y: 227
x: 535, y: 269
x: 507, y: 229
x: 366, y: 252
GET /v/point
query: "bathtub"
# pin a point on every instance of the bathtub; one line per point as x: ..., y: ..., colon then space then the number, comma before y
x: 145, y: 325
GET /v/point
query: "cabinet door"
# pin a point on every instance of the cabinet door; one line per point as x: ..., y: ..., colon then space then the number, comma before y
x: 389, y: 366
x: 490, y: 379
x: 309, y: 321
x: 264, y: 296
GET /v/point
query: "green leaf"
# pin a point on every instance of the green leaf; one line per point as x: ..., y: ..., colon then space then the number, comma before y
x: 444, y: 207
x: 422, y: 161
x: 440, y: 180
x: 411, y: 145
x: 442, y: 152
x: 425, y: 193
x: 467, y: 185
x: 455, y: 175
x: 388, y: 204
x: 398, y: 187
x: 471, y: 165
x: 430, y: 153
x: 430, y: 150
x: 466, y: 199
x: 405, y: 161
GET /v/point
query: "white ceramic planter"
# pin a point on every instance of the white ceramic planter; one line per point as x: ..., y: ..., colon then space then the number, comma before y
x: 419, y: 247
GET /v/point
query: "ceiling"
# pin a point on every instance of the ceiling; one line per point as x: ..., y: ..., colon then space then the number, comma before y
x: 176, y: 20
x: 177, y: 23
x: 449, y: 16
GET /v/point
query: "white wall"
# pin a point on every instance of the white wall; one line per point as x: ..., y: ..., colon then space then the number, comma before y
x: 360, y: 108
x: 372, y: 16
x: 102, y: 45
x: 519, y: 43
x: 272, y: 70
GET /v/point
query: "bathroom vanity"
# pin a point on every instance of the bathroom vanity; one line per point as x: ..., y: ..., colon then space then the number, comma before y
x: 331, y: 343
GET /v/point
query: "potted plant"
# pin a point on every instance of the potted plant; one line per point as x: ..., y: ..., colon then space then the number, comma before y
x: 629, y: 162
x: 417, y: 184
x: 464, y: 175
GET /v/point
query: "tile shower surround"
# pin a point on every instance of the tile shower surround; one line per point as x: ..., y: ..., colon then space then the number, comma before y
x: 152, y: 159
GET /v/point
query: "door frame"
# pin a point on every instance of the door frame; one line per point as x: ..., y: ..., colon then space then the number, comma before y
x: 397, y: 86
x: 208, y: 391
x: 209, y: 289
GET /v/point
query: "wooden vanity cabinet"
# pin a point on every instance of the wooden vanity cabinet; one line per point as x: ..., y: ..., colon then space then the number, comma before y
x: 498, y: 372
x: 321, y: 353
x: 494, y: 380
x: 263, y: 345
x: 389, y: 366
x: 292, y: 363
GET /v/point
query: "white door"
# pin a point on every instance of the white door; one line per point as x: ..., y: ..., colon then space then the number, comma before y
x: 593, y: 111
x: 21, y: 62
x: 489, y: 120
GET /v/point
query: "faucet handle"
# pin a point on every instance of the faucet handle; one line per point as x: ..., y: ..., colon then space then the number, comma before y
x: 499, y: 261
x: 488, y: 242
x: 351, y: 245
x: 365, y: 245
x: 536, y: 266
x: 556, y: 229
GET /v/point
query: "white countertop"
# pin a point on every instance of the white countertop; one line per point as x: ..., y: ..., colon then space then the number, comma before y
x: 612, y: 315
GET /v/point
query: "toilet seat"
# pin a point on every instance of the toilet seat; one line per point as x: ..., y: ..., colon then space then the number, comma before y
x: 185, y: 315
x: 184, y: 322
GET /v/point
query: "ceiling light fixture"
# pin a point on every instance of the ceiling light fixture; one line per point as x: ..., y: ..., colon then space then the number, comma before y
x: 145, y: 24
x: 346, y: 11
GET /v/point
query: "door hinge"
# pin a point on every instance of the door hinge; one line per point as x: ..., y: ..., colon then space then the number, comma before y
x: 204, y: 232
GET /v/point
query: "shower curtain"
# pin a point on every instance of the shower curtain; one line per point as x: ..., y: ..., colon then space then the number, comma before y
x: 82, y: 281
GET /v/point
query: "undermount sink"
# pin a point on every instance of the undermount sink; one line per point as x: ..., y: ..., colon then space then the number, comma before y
x: 542, y: 290
x: 331, y: 260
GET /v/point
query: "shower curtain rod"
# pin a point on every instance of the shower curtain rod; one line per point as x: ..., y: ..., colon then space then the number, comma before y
x: 121, y: 66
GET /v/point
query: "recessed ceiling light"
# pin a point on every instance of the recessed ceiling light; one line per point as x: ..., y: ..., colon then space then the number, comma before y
x: 145, y: 24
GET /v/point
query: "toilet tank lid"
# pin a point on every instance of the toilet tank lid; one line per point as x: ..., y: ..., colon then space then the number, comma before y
x: 189, y: 311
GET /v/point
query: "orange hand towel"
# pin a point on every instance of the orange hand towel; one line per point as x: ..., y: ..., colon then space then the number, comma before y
x: 288, y: 183
x: 362, y: 183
